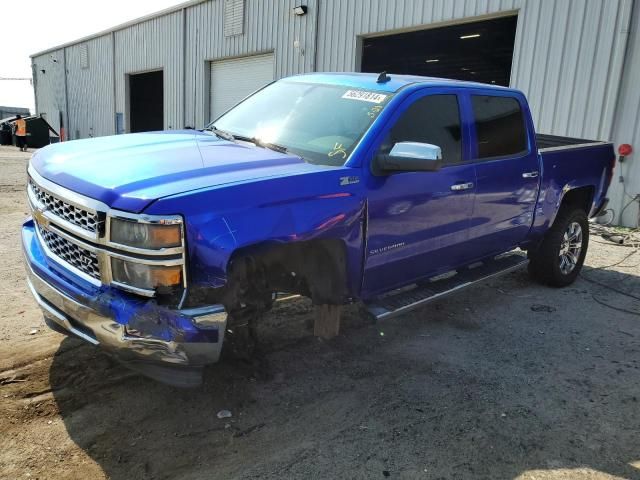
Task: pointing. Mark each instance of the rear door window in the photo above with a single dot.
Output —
(500, 126)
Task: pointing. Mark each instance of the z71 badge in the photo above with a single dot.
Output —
(349, 180)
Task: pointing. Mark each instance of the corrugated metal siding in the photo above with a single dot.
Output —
(558, 45)
(341, 22)
(90, 88)
(568, 60)
(627, 129)
(152, 45)
(49, 86)
(269, 26)
(565, 55)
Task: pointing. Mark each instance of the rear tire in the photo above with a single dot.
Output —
(558, 260)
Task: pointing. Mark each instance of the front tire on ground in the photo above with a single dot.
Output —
(558, 260)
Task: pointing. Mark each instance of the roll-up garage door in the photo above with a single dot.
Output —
(234, 79)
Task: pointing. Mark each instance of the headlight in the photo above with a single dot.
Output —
(158, 266)
(154, 236)
(147, 277)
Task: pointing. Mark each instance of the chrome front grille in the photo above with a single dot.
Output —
(74, 255)
(84, 219)
(74, 230)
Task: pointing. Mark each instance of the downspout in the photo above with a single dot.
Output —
(616, 70)
(196, 87)
(184, 68)
(113, 81)
(315, 42)
(66, 95)
(614, 105)
(34, 76)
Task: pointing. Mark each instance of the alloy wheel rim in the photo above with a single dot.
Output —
(570, 248)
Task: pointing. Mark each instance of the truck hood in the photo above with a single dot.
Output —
(128, 172)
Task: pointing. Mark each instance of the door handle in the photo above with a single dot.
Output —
(529, 174)
(462, 186)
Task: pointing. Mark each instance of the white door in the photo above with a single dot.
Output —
(234, 79)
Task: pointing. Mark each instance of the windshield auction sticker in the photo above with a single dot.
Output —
(364, 96)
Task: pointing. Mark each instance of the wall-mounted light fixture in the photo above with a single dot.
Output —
(624, 150)
(300, 10)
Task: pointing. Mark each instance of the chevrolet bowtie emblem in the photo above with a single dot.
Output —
(40, 218)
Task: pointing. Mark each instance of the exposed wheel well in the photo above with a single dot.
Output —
(579, 197)
(314, 268)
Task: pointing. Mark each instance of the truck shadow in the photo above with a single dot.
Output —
(553, 389)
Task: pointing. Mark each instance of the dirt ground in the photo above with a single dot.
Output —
(507, 380)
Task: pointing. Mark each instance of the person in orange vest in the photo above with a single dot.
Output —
(21, 133)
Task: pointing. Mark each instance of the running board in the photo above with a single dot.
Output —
(406, 299)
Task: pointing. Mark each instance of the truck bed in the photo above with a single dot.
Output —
(555, 142)
(573, 163)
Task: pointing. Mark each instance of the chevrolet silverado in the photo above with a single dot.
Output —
(388, 190)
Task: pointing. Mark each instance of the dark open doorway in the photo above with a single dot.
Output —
(146, 102)
(479, 51)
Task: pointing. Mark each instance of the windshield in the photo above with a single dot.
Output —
(320, 123)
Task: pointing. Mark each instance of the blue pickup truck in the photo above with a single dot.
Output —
(389, 190)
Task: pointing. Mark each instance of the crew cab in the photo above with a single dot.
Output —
(390, 190)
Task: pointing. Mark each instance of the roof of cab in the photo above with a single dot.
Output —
(369, 81)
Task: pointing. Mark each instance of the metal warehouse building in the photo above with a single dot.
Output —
(578, 61)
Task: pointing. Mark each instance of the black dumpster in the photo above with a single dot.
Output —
(39, 132)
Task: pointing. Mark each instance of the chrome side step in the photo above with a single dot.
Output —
(404, 300)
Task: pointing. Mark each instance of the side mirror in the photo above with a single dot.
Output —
(410, 157)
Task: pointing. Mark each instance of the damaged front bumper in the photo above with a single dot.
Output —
(169, 345)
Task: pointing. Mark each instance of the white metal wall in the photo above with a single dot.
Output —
(152, 45)
(342, 22)
(567, 56)
(568, 61)
(269, 26)
(48, 71)
(626, 129)
(90, 88)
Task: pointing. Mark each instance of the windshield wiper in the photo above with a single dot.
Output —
(269, 145)
(221, 133)
(256, 141)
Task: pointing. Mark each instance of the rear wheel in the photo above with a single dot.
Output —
(558, 260)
